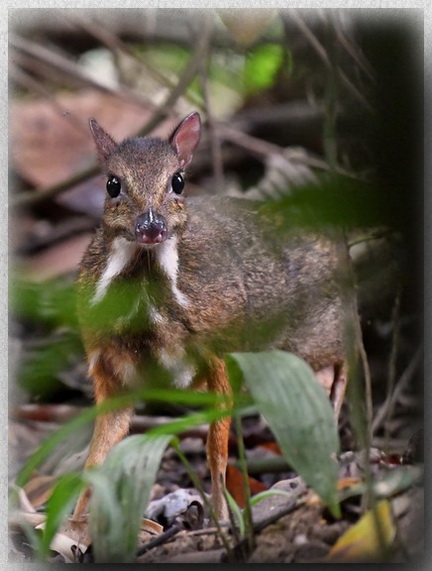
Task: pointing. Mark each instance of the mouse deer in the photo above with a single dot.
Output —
(181, 281)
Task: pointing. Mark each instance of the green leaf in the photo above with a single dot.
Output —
(299, 413)
(39, 373)
(120, 493)
(233, 506)
(51, 302)
(261, 67)
(59, 506)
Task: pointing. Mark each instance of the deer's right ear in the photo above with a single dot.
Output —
(104, 143)
(186, 137)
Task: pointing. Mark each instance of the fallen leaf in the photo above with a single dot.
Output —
(273, 447)
(344, 483)
(234, 484)
(39, 489)
(18, 519)
(64, 544)
(151, 526)
(361, 543)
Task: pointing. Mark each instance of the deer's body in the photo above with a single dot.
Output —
(182, 283)
(221, 286)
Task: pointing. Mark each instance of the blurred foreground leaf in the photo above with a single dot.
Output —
(192, 398)
(121, 491)
(298, 412)
(58, 507)
(261, 67)
(52, 302)
(52, 341)
(333, 200)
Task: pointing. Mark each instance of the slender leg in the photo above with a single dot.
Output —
(337, 394)
(110, 428)
(217, 441)
(334, 381)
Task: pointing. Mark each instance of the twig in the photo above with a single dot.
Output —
(405, 378)
(331, 99)
(368, 382)
(115, 45)
(162, 538)
(186, 78)
(69, 69)
(391, 378)
(271, 465)
(310, 36)
(355, 53)
(27, 81)
(322, 53)
(361, 425)
(260, 147)
(214, 140)
(64, 413)
(30, 198)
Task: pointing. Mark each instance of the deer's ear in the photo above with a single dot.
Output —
(186, 137)
(104, 143)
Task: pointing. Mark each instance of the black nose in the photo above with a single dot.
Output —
(150, 228)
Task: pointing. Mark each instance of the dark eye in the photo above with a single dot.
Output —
(113, 186)
(177, 183)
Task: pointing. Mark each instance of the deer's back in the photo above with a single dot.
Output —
(261, 286)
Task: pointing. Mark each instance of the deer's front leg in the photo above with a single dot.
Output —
(108, 379)
(217, 441)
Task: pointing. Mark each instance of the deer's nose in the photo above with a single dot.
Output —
(150, 228)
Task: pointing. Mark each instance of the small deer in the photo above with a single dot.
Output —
(179, 282)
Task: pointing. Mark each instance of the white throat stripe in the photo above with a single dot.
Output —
(122, 253)
(167, 258)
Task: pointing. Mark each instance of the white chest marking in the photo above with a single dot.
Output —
(182, 371)
(155, 316)
(167, 258)
(122, 253)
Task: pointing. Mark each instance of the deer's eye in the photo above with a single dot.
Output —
(113, 186)
(177, 183)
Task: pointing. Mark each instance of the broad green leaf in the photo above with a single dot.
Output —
(299, 413)
(120, 493)
(59, 506)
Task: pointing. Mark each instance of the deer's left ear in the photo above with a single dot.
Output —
(186, 137)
